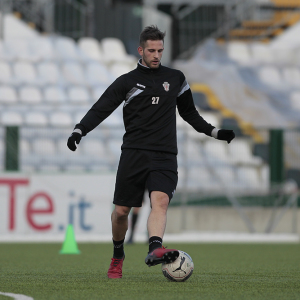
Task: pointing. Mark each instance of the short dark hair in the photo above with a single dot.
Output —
(151, 33)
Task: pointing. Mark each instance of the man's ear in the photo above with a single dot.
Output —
(140, 50)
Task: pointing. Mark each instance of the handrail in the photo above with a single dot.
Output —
(243, 10)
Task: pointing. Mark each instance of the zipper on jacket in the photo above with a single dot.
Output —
(151, 71)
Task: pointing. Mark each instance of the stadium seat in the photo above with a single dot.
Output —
(201, 179)
(66, 49)
(114, 120)
(249, 178)
(114, 50)
(55, 95)
(295, 100)
(239, 52)
(181, 178)
(271, 76)
(43, 146)
(291, 76)
(97, 74)
(78, 115)
(44, 155)
(21, 50)
(94, 147)
(227, 179)
(265, 177)
(73, 73)
(11, 118)
(5, 55)
(30, 95)
(60, 119)
(194, 152)
(8, 95)
(6, 75)
(15, 28)
(91, 48)
(262, 53)
(283, 56)
(192, 133)
(62, 148)
(216, 152)
(25, 73)
(68, 158)
(49, 73)
(180, 123)
(211, 118)
(67, 155)
(43, 48)
(35, 118)
(114, 151)
(119, 68)
(25, 147)
(78, 94)
(241, 153)
(97, 92)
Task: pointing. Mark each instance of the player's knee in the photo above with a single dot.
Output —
(159, 201)
(121, 212)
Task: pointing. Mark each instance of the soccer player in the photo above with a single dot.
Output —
(151, 93)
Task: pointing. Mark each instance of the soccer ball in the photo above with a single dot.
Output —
(179, 270)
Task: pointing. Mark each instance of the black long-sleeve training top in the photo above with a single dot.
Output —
(150, 97)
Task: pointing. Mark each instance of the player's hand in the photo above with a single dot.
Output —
(74, 139)
(226, 135)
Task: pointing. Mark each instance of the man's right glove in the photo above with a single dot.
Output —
(74, 139)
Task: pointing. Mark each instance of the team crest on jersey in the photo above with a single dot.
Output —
(166, 86)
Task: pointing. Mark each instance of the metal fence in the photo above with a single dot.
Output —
(204, 163)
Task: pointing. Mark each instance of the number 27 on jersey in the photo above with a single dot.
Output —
(155, 100)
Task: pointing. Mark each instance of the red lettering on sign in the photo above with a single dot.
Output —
(12, 183)
(31, 211)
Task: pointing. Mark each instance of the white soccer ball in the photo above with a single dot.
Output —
(179, 270)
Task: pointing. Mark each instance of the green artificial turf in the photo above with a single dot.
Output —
(222, 271)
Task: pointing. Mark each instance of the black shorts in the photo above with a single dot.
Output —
(141, 169)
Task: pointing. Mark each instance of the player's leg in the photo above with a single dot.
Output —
(157, 219)
(129, 190)
(161, 184)
(119, 220)
(134, 218)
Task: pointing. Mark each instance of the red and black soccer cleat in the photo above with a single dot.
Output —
(115, 268)
(160, 256)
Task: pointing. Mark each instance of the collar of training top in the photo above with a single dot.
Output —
(146, 69)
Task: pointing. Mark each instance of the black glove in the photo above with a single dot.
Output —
(74, 137)
(226, 135)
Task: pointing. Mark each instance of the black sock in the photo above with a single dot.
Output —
(133, 223)
(118, 249)
(154, 243)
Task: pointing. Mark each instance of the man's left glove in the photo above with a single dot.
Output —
(74, 139)
(226, 135)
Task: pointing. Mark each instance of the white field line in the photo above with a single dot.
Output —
(17, 296)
